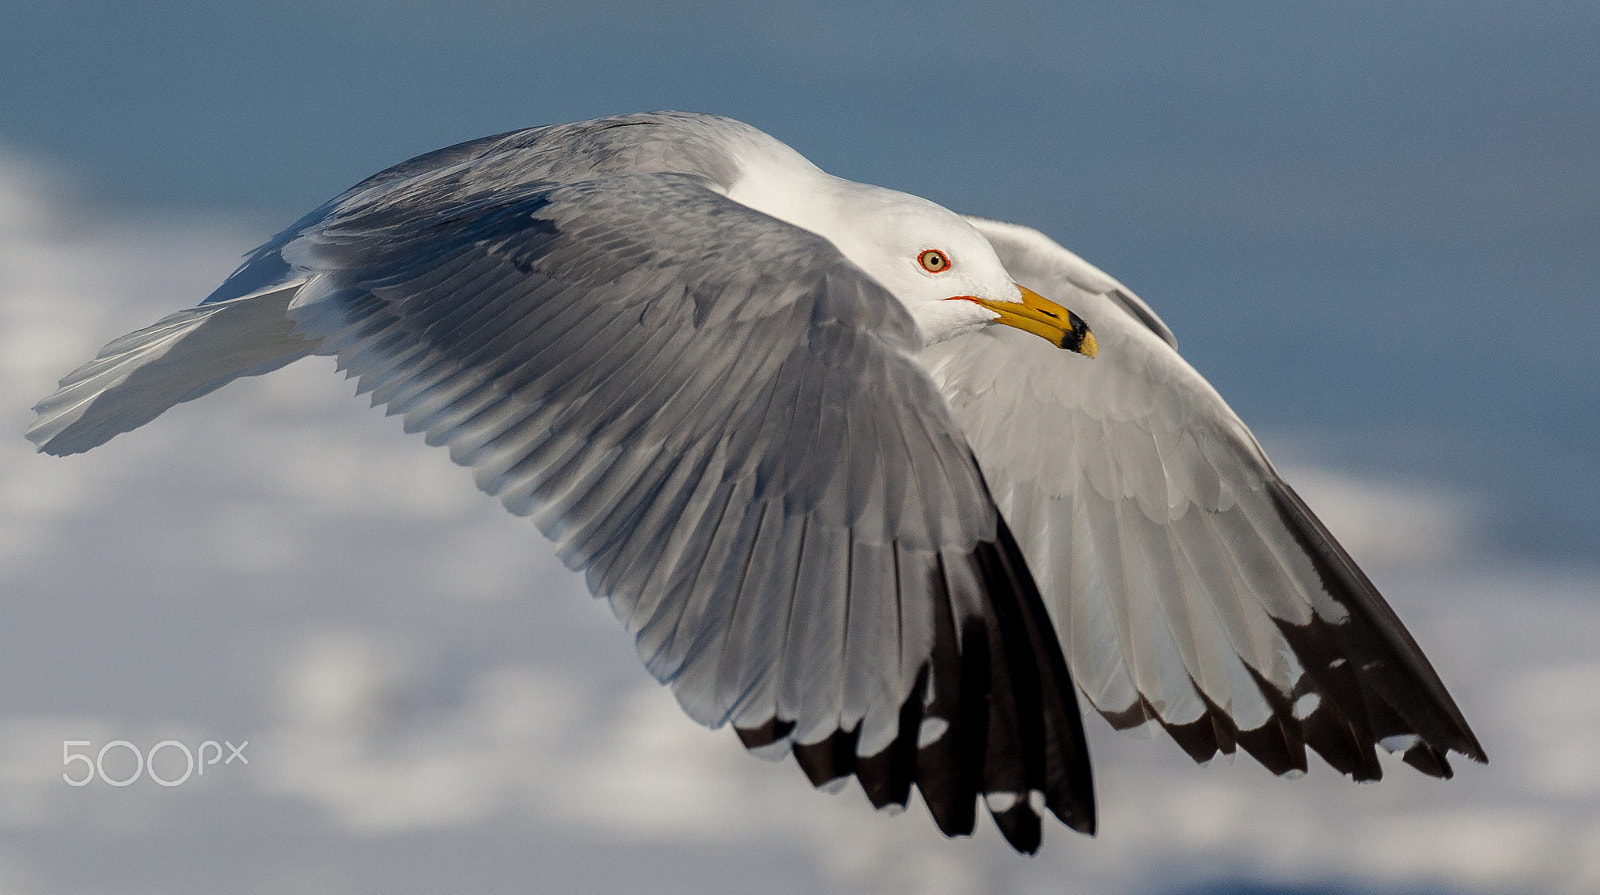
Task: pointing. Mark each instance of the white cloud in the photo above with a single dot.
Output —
(1387, 523)
(1556, 709)
(341, 745)
(530, 743)
(31, 785)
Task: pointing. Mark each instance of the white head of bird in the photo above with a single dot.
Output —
(937, 265)
(943, 270)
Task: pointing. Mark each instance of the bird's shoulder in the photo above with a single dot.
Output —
(694, 144)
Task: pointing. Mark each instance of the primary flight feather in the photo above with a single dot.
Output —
(843, 462)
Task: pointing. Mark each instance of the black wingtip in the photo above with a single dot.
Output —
(765, 734)
(1037, 669)
(829, 759)
(1428, 760)
(1397, 684)
(1019, 824)
(993, 713)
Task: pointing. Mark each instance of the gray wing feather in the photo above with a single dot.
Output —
(179, 358)
(1192, 588)
(720, 420)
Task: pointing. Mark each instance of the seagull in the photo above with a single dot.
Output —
(841, 460)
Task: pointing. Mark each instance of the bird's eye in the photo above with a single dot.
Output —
(934, 261)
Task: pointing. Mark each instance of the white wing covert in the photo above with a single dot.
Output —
(1191, 587)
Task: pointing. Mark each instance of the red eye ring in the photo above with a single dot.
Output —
(934, 261)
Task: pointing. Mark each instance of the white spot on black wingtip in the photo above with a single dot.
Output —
(931, 730)
(777, 750)
(1001, 802)
(1305, 705)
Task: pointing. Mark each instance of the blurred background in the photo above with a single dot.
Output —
(1373, 226)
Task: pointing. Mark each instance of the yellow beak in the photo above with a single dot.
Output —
(1045, 319)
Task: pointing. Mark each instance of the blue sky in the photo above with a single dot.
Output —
(1371, 225)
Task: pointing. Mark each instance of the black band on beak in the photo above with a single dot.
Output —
(1078, 338)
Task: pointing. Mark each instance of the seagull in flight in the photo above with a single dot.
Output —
(843, 462)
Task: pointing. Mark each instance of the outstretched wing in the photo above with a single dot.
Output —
(1190, 585)
(720, 420)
